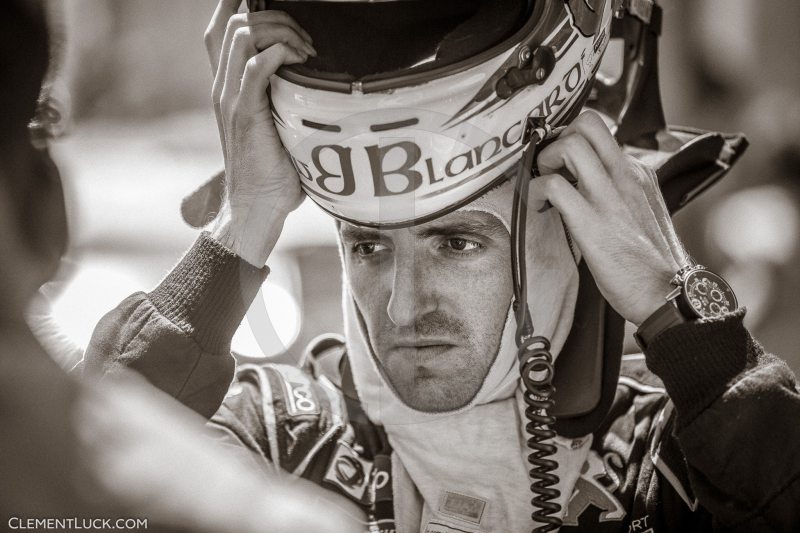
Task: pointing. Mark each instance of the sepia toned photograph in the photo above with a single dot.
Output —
(412, 266)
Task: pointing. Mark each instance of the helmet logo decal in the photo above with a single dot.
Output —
(319, 126)
(562, 92)
(275, 115)
(394, 125)
(486, 100)
(586, 15)
(400, 167)
(399, 156)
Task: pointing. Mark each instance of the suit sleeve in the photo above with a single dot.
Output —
(737, 411)
(178, 336)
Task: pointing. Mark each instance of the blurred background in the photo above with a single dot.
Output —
(142, 135)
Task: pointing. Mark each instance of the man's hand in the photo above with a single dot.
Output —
(616, 216)
(262, 186)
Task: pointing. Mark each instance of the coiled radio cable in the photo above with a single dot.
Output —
(533, 352)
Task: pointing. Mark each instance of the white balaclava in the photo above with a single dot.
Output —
(467, 469)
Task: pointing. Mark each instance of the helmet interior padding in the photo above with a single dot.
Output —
(357, 40)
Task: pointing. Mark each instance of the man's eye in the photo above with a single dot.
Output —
(368, 248)
(463, 245)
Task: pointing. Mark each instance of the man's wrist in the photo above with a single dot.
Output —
(208, 292)
(662, 319)
(650, 298)
(696, 360)
(251, 234)
(697, 294)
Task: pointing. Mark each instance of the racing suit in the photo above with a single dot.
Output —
(699, 436)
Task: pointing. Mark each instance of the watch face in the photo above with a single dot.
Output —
(708, 294)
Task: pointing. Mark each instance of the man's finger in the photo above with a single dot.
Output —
(234, 24)
(241, 50)
(266, 34)
(263, 34)
(575, 154)
(281, 17)
(216, 30)
(259, 68)
(574, 208)
(246, 46)
(591, 127)
(219, 39)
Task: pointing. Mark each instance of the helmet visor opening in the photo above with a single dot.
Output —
(366, 41)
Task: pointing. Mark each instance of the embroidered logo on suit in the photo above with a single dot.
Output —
(590, 491)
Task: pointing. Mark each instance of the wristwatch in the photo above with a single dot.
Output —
(698, 293)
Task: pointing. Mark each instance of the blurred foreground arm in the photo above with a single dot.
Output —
(178, 336)
(153, 456)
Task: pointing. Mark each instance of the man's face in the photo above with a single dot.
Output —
(434, 299)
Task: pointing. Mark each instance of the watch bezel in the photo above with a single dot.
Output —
(684, 300)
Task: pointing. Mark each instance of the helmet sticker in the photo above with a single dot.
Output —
(405, 154)
(559, 40)
(400, 167)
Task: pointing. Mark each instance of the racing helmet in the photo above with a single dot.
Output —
(414, 108)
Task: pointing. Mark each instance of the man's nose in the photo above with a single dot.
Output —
(412, 293)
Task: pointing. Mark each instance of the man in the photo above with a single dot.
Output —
(423, 422)
(77, 455)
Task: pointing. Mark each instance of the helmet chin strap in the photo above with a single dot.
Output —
(535, 360)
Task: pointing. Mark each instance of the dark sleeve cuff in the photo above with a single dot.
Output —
(208, 293)
(698, 360)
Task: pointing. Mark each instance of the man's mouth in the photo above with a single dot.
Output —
(422, 343)
(430, 344)
(423, 353)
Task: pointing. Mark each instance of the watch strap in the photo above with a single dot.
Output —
(661, 320)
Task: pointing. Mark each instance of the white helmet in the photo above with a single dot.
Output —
(430, 114)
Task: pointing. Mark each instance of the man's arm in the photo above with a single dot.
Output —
(736, 410)
(737, 406)
(178, 336)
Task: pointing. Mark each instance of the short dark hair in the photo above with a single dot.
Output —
(24, 58)
(28, 177)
